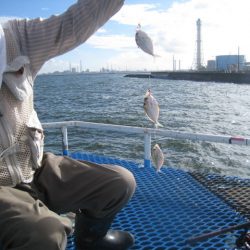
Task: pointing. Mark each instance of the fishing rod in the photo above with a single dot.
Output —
(206, 236)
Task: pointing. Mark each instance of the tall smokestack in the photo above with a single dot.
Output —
(198, 53)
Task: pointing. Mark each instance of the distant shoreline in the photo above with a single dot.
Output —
(91, 72)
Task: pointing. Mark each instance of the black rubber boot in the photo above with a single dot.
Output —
(94, 234)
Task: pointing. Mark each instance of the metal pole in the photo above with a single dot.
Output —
(65, 145)
(147, 149)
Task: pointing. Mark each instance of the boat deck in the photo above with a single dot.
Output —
(170, 207)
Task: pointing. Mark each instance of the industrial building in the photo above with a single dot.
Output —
(227, 63)
(230, 63)
(211, 65)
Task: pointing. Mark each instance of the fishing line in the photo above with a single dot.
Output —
(161, 139)
(144, 42)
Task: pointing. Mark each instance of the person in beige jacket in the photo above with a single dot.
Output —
(35, 187)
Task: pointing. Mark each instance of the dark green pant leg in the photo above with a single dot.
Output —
(27, 224)
(70, 185)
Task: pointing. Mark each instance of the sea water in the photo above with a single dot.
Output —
(186, 106)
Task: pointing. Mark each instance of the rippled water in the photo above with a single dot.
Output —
(200, 107)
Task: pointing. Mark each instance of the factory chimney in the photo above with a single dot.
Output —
(198, 46)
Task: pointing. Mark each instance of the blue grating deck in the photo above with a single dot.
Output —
(170, 207)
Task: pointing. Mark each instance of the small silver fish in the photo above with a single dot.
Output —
(144, 42)
(151, 108)
(157, 157)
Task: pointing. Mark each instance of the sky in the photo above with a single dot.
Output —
(171, 24)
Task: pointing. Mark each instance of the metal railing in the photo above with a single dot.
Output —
(147, 132)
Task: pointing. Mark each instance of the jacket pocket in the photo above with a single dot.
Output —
(35, 139)
(18, 79)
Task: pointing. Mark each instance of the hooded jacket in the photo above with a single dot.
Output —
(29, 44)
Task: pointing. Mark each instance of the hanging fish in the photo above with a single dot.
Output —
(157, 157)
(151, 108)
(144, 42)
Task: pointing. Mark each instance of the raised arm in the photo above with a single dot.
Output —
(42, 39)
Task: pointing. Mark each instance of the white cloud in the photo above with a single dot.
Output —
(44, 8)
(101, 30)
(55, 64)
(136, 13)
(115, 42)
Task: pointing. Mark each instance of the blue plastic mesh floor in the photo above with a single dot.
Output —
(170, 207)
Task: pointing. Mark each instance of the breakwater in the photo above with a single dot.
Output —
(203, 76)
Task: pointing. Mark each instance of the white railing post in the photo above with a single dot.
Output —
(65, 145)
(147, 149)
